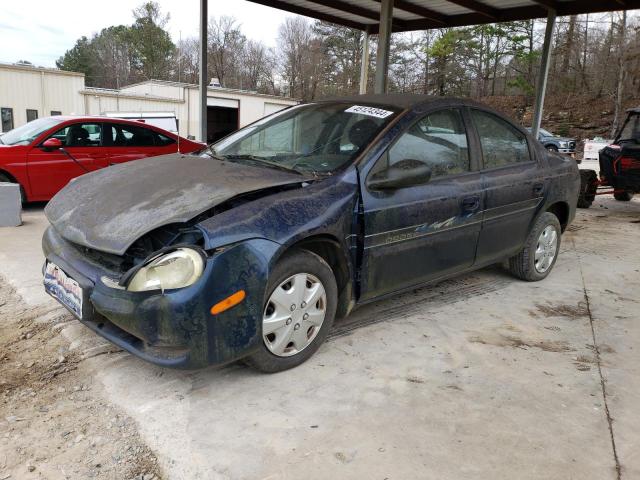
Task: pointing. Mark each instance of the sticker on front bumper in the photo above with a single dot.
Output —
(63, 288)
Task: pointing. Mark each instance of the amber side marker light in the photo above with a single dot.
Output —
(227, 303)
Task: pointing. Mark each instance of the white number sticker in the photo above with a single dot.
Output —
(370, 111)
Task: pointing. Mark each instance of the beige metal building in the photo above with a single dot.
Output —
(28, 92)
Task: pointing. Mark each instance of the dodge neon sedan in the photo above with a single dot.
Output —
(46, 154)
(251, 248)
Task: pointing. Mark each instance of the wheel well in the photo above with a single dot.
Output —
(560, 210)
(9, 176)
(332, 252)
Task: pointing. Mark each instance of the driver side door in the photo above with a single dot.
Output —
(419, 233)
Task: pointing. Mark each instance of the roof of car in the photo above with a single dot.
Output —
(404, 100)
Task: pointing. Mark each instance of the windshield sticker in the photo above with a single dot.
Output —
(370, 111)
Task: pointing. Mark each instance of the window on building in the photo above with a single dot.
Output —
(439, 140)
(55, 113)
(32, 115)
(6, 115)
(501, 143)
(80, 135)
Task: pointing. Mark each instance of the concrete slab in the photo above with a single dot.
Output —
(480, 377)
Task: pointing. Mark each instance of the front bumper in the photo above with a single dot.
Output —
(175, 328)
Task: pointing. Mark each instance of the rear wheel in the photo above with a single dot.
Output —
(623, 196)
(588, 188)
(298, 314)
(537, 258)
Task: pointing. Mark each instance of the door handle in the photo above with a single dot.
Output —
(471, 204)
(538, 188)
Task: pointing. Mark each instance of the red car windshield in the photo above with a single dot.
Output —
(26, 134)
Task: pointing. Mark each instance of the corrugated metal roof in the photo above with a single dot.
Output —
(426, 14)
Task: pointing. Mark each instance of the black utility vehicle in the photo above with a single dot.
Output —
(619, 166)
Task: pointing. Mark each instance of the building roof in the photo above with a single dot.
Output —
(234, 91)
(33, 68)
(427, 14)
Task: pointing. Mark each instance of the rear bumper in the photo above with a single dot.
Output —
(175, 329)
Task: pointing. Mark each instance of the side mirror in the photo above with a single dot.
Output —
(51, 144)
(405, 173)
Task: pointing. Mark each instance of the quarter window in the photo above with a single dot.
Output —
(131, 136)
(6, 115)
(439, 139)
(80, 135)
(502, 144)
(31, 115)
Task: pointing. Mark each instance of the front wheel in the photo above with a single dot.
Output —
(552, 148)
(625, 196)
(298, 313)
(540, 251)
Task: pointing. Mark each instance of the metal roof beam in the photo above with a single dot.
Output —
(348, 8)
(549, 4)
(424, 12)
(481, 8)
(308, 12)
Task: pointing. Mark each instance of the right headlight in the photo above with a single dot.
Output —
(178, 268)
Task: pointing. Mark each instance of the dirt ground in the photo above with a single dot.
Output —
(482, 376)
(54, 423)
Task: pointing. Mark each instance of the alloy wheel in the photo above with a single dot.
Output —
(546, 249)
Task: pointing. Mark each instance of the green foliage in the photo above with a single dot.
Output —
(123, 54)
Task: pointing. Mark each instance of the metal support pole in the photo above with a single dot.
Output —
(544, 73)
(203, 69)
(364, 63)
(384, 39)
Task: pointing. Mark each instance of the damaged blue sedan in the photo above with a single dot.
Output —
(252, 247)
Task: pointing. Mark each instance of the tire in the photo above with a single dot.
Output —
(551, 148)
(623, 196)
(524, 265)
(588, 188)
(5, 179)
(297, 265)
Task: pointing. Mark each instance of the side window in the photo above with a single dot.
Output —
(438, 139)
(131, 136)
(502, 144)
(6, 115)
(31, 115)
(80, 135)
(162, 140)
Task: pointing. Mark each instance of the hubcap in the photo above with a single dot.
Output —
(546, 249)
(294, 314)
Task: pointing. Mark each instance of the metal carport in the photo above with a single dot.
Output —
(383, 17)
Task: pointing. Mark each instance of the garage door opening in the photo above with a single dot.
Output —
(221, 121)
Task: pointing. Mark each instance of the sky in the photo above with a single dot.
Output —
(41, 31)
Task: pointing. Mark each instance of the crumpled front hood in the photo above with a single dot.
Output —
(109, 209)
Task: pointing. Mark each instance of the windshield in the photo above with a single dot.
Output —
(630, 130)
(545, 133)
(26, 134)
(318, 138)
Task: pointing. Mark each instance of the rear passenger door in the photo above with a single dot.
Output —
(513, 183)
(131, 142)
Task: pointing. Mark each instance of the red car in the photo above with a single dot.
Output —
(45, 154)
